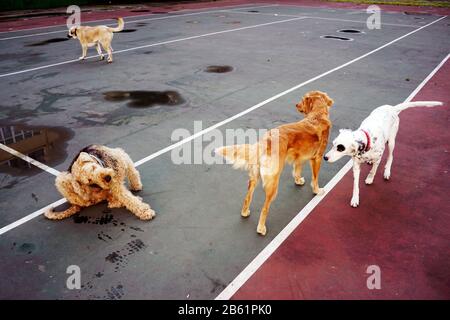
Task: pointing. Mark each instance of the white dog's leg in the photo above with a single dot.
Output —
(99, 51)
(373, 171)
(356, 170)
(391, 146)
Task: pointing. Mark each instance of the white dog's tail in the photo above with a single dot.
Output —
(119, 27)
(240, 155)
(402, 106)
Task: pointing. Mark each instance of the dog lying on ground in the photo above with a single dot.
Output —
(368, 142)
(100, 36)
(293, 143)
(96, 174)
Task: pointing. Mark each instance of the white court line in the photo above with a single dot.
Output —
(320, 18)
(29, 160)
(258, 261)
(153, 44)
(127, 17)
(181, 142)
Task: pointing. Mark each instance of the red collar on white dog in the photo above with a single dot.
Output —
(368, 140)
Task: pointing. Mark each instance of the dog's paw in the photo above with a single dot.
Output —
(387, 175)
(299, 181)
(148, 214)
(261, 230)
(319, 191)
(369, 180)
(110, 60)
(137, 187)
(51, 215)
(245, 213)
(81, 58)
(354, 202)
(102, 57)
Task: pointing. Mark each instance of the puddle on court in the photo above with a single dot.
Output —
(336, 38)
(142, 99)
(48, 41)
(44, 144)
(253, 11)
(141, 24)
(128, 30)
(140, 10)
(350, 31)
(218, 69)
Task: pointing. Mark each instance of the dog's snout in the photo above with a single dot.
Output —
(325, 158)
(107, 178)
(68, 36)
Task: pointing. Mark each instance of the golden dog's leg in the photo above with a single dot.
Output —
(315, 168)
(297, 173)
(99, 51)
(270, 188)
(252, 183)
(139, 208)
(53, 215)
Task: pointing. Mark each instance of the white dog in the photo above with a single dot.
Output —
(368, 142)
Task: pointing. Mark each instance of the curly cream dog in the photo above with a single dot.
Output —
(96, 174)
(100, 36)
(368, 142)
(293, 143)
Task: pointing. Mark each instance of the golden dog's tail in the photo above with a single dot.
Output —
(242, 156)
(120, 26)
(54, 215)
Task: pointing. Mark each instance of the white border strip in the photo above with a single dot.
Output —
(153, 45)
(29, 160)
(132, 21)
(204, 10)
(175, 145)
(258, 261)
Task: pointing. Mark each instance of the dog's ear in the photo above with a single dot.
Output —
(328, 100)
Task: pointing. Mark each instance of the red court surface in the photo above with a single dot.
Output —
(16, 21)
(402, 225)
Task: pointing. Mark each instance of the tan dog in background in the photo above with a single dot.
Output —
(293, 143)
(100, 36)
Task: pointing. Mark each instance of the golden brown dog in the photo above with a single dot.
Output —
(293, 143)
(96, 174)
(100, 36)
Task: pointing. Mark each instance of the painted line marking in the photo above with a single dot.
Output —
(135, 21)
(240, 114)
(320, 18)
(262, 257)
(32, 161)
(153, 45)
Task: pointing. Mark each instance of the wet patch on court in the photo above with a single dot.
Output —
(128, 30)
(143, 99)
(42, 143)
(120, 258)
(336, 38)
(46, 42)
(218, 69)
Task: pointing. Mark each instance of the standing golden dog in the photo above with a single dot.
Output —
(100, 36)
(293, 143)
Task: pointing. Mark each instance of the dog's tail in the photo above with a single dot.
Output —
(119, 27)
(240, 155)
(54, 215)
(402, 106)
